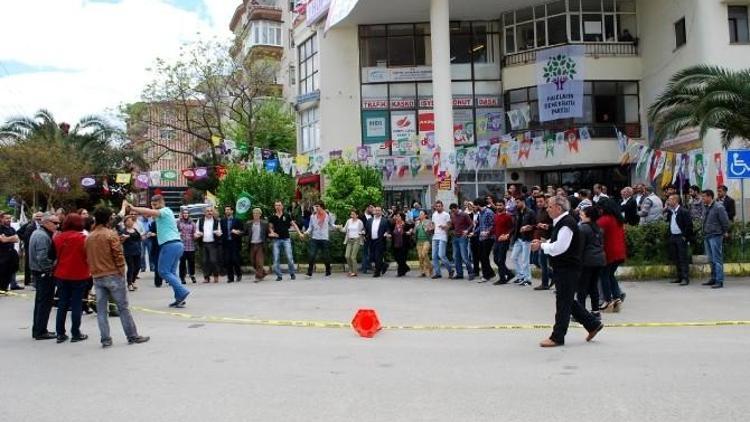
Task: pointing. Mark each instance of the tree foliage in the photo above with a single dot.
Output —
(264, 188)
(350, 185)
(706, 97)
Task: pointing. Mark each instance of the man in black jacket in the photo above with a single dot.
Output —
(232, 243)
(680, 234)
(25, 234)
(726, 201)
(629, 207)
(377, 229)
(209, 236)
(565, 251)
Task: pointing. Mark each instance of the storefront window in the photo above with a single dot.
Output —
(606, 104)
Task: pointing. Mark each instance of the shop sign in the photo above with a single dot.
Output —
(401, 74)
(375, 104)
(490, 101)
(402, 104)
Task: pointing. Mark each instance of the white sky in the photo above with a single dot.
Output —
(82, 57)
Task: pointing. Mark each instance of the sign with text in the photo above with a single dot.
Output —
(559, 76)
(375, 127)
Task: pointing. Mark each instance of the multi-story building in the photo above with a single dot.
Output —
(450, 64)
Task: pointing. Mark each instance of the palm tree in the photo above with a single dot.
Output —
(704, 97)
(93, 139)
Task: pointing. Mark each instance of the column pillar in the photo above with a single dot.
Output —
(442, 96)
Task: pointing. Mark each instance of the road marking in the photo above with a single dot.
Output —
(438, 327)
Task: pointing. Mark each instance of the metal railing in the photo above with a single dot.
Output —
(592, 49)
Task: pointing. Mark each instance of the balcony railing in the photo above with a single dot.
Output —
(596, 130)
(592, 50)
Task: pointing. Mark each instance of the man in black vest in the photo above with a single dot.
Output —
(680, 234)
(565, 250)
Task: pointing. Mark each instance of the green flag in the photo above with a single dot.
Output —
(169, 175)
(243, 206)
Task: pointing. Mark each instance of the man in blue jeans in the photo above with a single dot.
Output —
(440, 225)
(170, 245)
(462, 225)
(715, 228)
(278, 230)
(107, 265)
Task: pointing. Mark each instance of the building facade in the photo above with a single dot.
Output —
(361, 70)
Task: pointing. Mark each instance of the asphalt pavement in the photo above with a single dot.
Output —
(197, 369)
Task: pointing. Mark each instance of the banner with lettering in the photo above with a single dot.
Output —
(559, 76)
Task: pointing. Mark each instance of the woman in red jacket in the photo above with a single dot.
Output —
(611, 222)
(71, 274)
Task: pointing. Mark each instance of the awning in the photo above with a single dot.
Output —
(308, 180)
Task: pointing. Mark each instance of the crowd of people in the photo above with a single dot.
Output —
(577, 241)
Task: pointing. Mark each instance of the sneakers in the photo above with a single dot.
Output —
(514, 280)
(180, 302)
(136, 340)
(278, 278)
(79, 337)
(524, 282)
(482, 280)
(541, 287)
(106, 342)
(292, 277)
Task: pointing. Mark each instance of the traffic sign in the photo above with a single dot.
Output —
(738, 164)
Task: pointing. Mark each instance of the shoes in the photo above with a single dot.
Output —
(328, 274)
(435, 277)
(596, 315)
(515, 280)
(106, 342)
(376, 275)
(616, 305)
(239, 278)
(230, 281)
(683, 283)
(471, 277)
(193, 279)
(278, 278)
(541, 287)
(607, 306)
(717, 286)
(206, 280)
(483, 280)
(525, 283)
(17, 287)
(622, 296)
(182, 280)
(594, 332)
(709, 283)
(138, 339)
(292, 277)
(45, 336)
(451, 273)
(180, 302)
(308, 276)
(423, 275)
(132, 289)
(676, 281)
(500, 281)
(549, 343)
(80, 337)
(458, 277)
(385, 268)
(62, 338)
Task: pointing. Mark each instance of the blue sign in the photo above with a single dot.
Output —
(738, 164)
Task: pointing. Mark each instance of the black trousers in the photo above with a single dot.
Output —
(485, 249)
(8, 268)
(45, 294)
(134, 267)
(232, 261)
(499, 255)
(475, 253)
(565, 281)
(319, 246)
(187, 264)
(678, 253)
(399, 254)
(588, 286)
(377, 252)
(211, 259)
(26, 269)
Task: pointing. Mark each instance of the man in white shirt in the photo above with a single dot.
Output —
(565, 251)
(208, 233)
(440, 224)
(599, 193)
(680, 233)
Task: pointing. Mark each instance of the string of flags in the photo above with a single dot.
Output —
(673, 167)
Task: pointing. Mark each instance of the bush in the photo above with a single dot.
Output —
(351, 185)
(648, 244)
(264, 188)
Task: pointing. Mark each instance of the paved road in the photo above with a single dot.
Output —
(198, 371)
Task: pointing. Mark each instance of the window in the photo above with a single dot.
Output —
(394, 45)
(292, 75)
(738, 24)
(563, 21)
(308, 66)
(680, 33)
(606, 104)
(309, 129)
(167, 134)
(265, 33)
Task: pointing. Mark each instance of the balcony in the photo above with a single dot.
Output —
(595, 50)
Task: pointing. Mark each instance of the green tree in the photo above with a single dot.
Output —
(264, 188)
(706, 97)
(351, 185)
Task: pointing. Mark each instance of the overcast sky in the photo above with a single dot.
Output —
(81, 57)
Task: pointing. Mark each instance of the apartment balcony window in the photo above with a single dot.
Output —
(738, 25)
(265, 33)
(309, 124)
(569, 21)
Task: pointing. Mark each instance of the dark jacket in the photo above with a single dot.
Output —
(216, 226)
(227, 236)
(385, 227)
(729, 206)
(630, 212)
(263, 230)
(527, 218)
(593, 251)
(715, 220)
(684, 222)
(41, 251)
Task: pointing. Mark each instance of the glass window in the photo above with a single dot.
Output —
(592, 28)
(308, 66)
(609, 28)
(556, 7)
(525, 36)
(738, 24)
(626, 27)
(680, 33)
(541, 33)
(608, 5)
(630, 105)
(574, 5)
(373, 52)
(401, 51)
(558, 31)
(309, 129)
(510, 41)
(591, 5)
(626, 6)
(372, 31)
(525, 14)
(575, 28)
(460, 48)
(540, 12)
(403, 29)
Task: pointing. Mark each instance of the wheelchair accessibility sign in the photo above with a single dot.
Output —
(738, 164)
